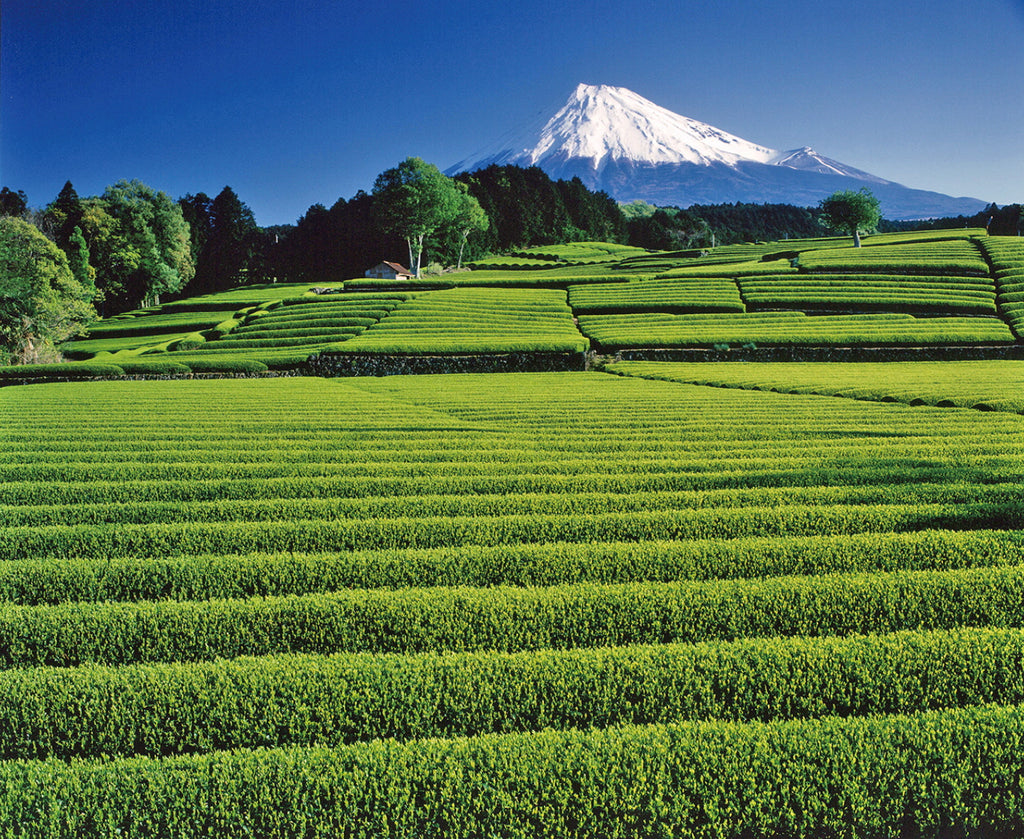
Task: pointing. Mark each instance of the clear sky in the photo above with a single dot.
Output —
(303, 102)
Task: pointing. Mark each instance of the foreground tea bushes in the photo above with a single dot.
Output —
(300, 607)
(223, 576)
(886, 776)
(561, 617)
(166, 709)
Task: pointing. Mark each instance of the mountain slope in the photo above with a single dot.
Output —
(617, 141)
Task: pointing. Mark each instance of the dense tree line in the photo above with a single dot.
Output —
(520, 207)
(525, 207)
(708, 225)
(999, 221)
(332, 244)
(229, 247)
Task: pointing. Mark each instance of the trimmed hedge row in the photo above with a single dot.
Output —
(612, 332)
(918, 775)
(700, 295)
(510, 619)
(166, 709)
(92, 541)
(40, 581)
(276, 508)
(85, 370)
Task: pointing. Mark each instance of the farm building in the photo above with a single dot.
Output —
(388, 271)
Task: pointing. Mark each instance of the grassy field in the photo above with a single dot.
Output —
(572, 604)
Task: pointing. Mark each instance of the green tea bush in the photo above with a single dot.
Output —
(83, 370)
(332, 700)
(510, 619)
(204, 577)
(882, 775)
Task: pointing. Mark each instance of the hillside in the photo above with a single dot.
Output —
(928, 289)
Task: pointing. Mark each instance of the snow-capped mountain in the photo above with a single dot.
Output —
(615, 140)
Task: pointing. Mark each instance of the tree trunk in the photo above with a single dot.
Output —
(408, 241)
(419, 253)
(462, 247)
(856, 237)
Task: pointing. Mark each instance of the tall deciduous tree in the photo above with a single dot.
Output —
(413, 200)
(468, 216)
(41, 302)
(852, 212)
(78, 261)
(139, 244)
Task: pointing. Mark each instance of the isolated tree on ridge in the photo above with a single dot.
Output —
(413, 200)
(853, 212)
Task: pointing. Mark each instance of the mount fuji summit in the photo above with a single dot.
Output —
(616, 141)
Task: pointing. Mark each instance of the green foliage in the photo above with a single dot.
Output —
(41, 302)
(647, 329)
(164, 709)
(957, 257)
(705, 225)
(674, 295)
(69, 371)
(915, 774)
(854, 212)
(414, 199)
(226, 242)
(78, 261)
(637, 209)
(523, 605)
(1006, 254)
(13, 203)
(212, 576)
(526, 207)
(865, 292)
(475, 320)
(964, 384)
(462, 619)
(139, 244)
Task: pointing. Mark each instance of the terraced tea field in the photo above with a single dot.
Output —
(948, 288)
(528, 605)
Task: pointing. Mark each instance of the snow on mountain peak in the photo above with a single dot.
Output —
(601, 123)
(617, 141)
(604, 123)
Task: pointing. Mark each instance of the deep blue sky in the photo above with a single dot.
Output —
(294, 103)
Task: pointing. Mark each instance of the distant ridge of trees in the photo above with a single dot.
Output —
(999, 221)
(138, 246)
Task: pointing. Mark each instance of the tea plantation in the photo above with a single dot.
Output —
(651, 599)
(564, 604)
(947, 288)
